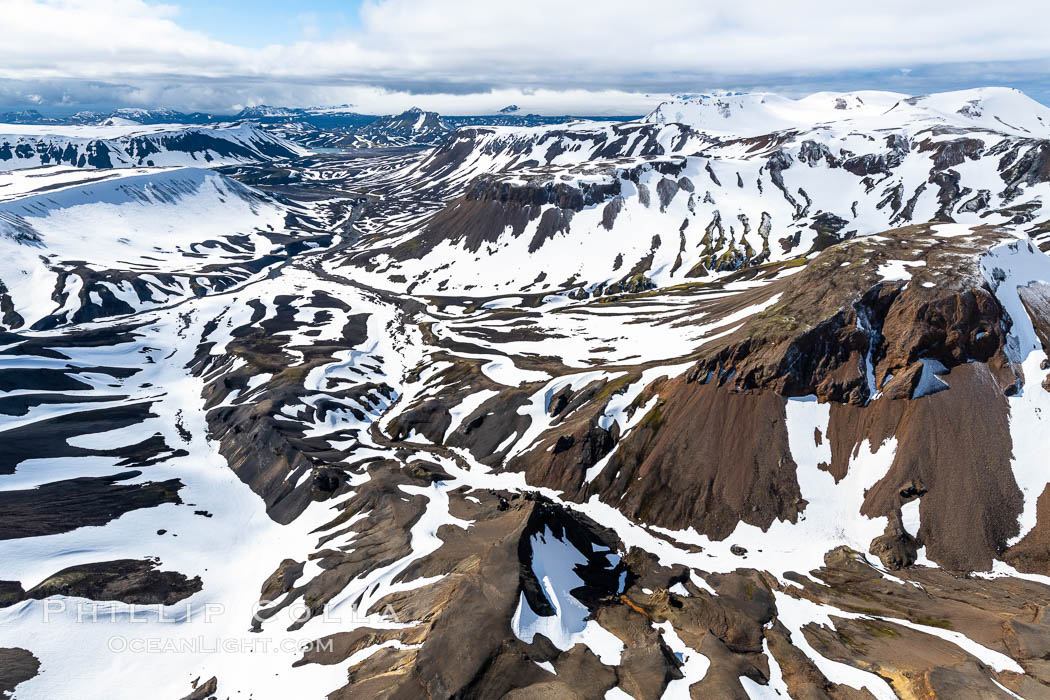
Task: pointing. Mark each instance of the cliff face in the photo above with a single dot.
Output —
(864, 316)
(492, 207)
(704, 204)
(917, 358)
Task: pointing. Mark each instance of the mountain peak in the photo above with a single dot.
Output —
(749, 114)
(263, 111)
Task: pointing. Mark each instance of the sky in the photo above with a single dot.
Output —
(587, 57)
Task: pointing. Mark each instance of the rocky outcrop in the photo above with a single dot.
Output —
(490, 207)
(16, 666)
(62, 506)
(413, 127)
(896, 549)
(203, 691)
(897, 147)
(134, 581)
(864, 344)
(836, 322)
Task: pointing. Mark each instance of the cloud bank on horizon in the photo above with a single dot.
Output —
(549, 56)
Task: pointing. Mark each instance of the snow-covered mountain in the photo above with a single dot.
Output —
(137, 115)
(125, 144)
(754, 114)
(719, 184)
(128, 242)
(745, 398)
(413, 127)
(266, 111)
(26, 116)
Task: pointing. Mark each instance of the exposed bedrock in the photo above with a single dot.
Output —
(1027, 162)
(265, 448)
(16, 666)
(136, 581)
(486, 577)
(203, 691)
(836, 322)
(673, 468)
(934, 355)
(489, 577)
(1007, 615)
(487, 574)
(490, 207)
(634, 139)
(493, 204)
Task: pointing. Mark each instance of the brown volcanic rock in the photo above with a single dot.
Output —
(487, 593)
(483, 572)
(385, 675)
(16, 666)
(647, 664)
(382, 537)
(957, 444)
(896, 549)
(281, 580)
(1032, 553)
(954, 329)
(722, 680)
(735, 616)
(574, 446)
(692, 460)
(135, 581)
(815, 339)
(203, 691)
(802, 677)
(491, 205)
(491, 592)
(1007, 615)
(467, 647)
(916, 665)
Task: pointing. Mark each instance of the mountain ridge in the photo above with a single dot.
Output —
(737, 399)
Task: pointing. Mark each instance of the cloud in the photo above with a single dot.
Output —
(474, 50)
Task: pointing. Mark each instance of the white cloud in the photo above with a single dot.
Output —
(604, 49)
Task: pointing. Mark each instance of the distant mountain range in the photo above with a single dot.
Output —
(339, 126)
(122, 146)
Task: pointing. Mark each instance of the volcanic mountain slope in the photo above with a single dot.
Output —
(343, 129)
(413, 127)
(571, 201)
(130, 240)
(128, 144)
(357, 449)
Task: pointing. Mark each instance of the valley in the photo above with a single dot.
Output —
(746, 398)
